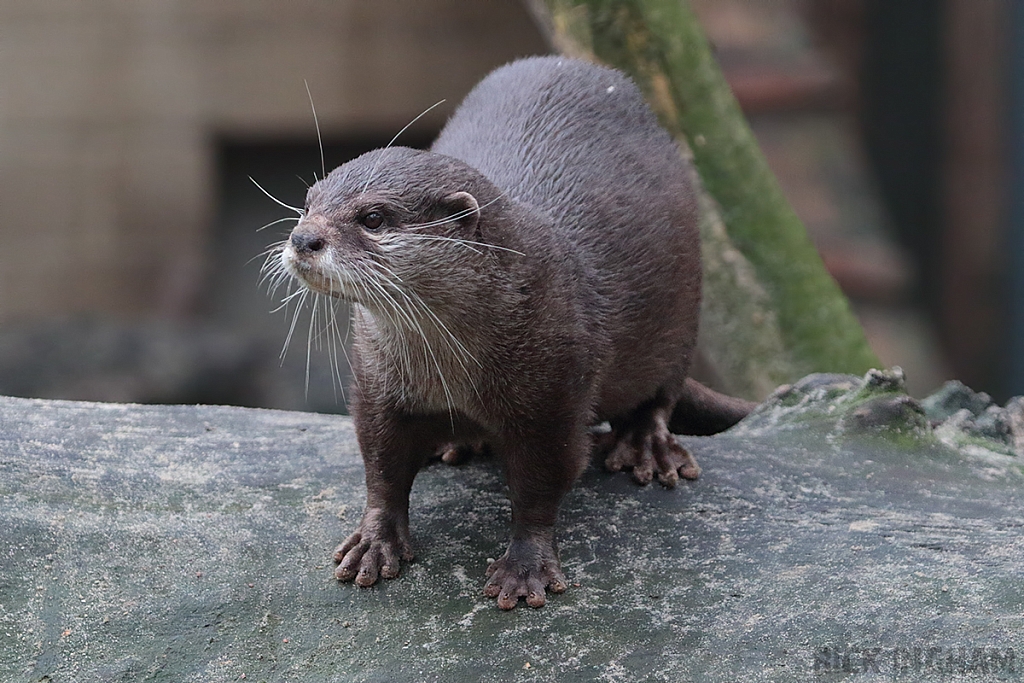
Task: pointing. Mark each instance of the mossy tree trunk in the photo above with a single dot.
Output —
(772, 313)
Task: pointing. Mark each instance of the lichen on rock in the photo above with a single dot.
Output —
(954, 415)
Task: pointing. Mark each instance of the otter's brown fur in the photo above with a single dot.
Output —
(536, 272)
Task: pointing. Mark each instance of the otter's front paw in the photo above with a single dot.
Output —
(526, 570)
(375, 549)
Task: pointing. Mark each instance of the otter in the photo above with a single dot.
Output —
(535, 273)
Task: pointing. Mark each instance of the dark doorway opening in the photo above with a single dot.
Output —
(285, 169)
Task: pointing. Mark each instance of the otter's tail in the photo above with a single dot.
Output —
(702, 411)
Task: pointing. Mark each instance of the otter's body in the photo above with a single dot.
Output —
(619, 198)
(534, 273)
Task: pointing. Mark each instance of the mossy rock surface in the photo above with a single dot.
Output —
(183, 543)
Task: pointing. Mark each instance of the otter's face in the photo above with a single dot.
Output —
(333, 251)
(366, 232)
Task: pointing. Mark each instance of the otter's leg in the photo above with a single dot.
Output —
(644, 444)
(538, 478)
(393, 452)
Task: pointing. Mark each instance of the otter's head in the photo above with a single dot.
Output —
(392, 219)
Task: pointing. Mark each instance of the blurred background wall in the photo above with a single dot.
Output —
(129, 132)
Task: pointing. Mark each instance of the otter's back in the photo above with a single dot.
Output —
(565, 136)
(578, 142)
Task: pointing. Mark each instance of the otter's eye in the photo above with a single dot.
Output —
(372, 220)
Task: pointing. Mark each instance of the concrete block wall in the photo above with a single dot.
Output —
(110, 112)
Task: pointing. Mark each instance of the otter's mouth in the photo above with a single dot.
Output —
(313, 278)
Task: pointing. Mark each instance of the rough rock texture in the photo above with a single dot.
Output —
(831, 530)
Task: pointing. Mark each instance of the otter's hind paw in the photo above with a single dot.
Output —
(646, 451)
(461, 453)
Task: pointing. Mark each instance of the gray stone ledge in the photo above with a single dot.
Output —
(192, 543)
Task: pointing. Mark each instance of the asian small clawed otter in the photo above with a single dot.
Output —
(533, 274)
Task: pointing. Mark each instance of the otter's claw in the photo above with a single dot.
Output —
(527, 570)
(374, 550)
(646, 451)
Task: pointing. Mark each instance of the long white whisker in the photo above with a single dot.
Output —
(373, 171)
(402, 349)
(417, 302)
(278, 276)
(309, 339)
(378, 295)
(279, 220)
(418, 117)
(319, 140)
(272, 271)
(282, 306)
(295, 319)
(267, 253)
(459, 351)
(335, 338)
(325, 339)
(438, 238)
(465, 243)
(454, 217)
(276, 200)
(297, 293)
(468, 244)
(429, 349)
(387, 271)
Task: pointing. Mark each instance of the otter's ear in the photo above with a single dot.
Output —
(463, 207)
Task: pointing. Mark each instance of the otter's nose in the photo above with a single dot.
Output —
(306, 244)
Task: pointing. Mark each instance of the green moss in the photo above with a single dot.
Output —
(660, 45)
